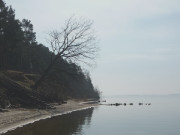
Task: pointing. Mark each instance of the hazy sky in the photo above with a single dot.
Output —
(139, 40)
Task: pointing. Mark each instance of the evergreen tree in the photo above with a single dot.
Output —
(10, 37)
(20, 51)
(29, 34)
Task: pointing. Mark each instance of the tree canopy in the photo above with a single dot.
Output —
(20, 51)
(75, 42)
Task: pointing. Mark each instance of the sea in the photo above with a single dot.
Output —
(156, 115)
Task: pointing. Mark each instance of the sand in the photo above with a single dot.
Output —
(18, 117)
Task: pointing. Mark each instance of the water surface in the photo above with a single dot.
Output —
(162, 117)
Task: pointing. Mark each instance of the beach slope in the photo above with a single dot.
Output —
(18, 117)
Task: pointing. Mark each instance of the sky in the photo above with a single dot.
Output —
(138, 39)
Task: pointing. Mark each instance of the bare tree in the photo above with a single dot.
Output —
(75, 42)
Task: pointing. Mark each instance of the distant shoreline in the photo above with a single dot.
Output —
(19, 117)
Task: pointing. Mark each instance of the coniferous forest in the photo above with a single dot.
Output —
(22, 62)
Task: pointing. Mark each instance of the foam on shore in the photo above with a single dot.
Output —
(18, 124)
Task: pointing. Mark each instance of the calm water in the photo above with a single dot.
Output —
(162, 117)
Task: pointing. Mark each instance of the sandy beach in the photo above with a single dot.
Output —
(18, 117)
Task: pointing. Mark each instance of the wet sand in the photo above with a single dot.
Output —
(18, 117)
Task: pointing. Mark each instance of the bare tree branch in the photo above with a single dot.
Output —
(76, 42)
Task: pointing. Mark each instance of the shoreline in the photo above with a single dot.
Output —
(20, 117)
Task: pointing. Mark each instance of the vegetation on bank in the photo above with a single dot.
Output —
(23, 61)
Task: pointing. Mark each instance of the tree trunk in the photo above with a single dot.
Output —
(45, 73)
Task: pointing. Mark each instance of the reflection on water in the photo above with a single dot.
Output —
(160, 118)
(61, 125)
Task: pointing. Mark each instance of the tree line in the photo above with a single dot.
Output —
(20, 51)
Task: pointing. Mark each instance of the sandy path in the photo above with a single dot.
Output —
(19, 117)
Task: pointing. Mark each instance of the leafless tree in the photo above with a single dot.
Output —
(75, 42)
